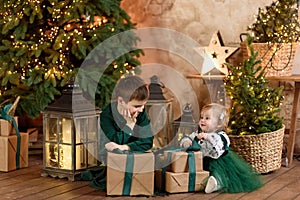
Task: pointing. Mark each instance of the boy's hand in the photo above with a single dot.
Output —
(130, 118)
(124, 111)
(110, 146)
(130, 121)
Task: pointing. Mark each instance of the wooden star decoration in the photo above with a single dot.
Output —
(215, 55)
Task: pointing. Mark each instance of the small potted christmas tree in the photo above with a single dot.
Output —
(276, 33)
(255, 128)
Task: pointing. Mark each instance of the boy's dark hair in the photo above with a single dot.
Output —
(132, 88)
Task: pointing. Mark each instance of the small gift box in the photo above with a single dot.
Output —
(7, 128)
(182, 182)
(14, 152)
(8, 123)
(179, 161)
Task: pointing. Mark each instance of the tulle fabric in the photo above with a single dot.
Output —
(233, 173)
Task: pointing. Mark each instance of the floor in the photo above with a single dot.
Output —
(27, 183)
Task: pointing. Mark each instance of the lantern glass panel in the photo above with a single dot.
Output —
(88, 156)
(66, 126)
(52, 129)
(60, 156)
(186, 130)
(181, 129)
(67, 156)
(86, 129)
(160, 113)
(51, 153)
(86, 133)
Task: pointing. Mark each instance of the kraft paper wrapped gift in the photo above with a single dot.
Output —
(7, 128)
(8, 149)
(130, 174)
(179, 182)
(179, 161)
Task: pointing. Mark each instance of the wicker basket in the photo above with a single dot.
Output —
(262, 151)
(283, 57)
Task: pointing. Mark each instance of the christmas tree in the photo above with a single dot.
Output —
(277, 23)
(44, 42)
(254, 104)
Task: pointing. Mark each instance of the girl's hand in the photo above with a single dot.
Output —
(202, 136)
(187, 143)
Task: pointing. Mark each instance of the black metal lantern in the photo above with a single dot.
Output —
(71, 135)
(184, 125)
(160, 112)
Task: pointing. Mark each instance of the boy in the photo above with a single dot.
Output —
(124, 122)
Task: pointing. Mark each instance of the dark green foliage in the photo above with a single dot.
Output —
(43, 43)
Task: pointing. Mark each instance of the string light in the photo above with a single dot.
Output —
(49, 34)
(277, 23)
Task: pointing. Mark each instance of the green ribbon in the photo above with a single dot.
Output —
(128, 174)
(4, 115)
(192, 171)
(191, 162)
(128, 169)
(164, 169)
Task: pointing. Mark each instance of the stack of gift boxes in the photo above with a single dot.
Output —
(184, 172)
(13, 146)
(139, 174)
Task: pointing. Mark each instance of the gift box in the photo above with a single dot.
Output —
(179, 161)
(7, 128)
(8, 148)
(130, 174)
(181, 182)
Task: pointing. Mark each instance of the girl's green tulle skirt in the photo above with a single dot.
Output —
(233, 173)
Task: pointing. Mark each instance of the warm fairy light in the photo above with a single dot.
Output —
(49, 34)
(55, 41)
(283, 28)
